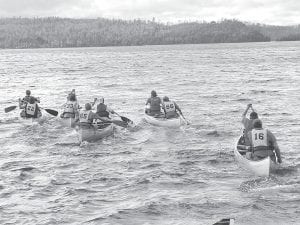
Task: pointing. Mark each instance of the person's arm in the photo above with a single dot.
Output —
(37, 99)
(20, 103)
(160, 103)
(274, 144)
(248, 141)
(148, 101)
(93, 103)
(22, 106)
(110, 109)
(245, 121)
(177, 108)
(245, 112)
(96, 116)
(164, 108)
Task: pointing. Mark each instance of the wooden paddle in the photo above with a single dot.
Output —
(10, 108)
(116, 122)
(187, 122)
(51, 111)
(120, 123)
(125, 119)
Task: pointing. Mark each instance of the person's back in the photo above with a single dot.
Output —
(26, 99)
(102, 110)
(31, 109)
(170, 108)
(85, 118)
(70, 107)
(263, 142)
(155, 104)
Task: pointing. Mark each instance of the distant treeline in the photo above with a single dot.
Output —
(60, 32)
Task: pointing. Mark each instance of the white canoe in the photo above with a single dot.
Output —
(261, 167)
(163, 122)
(93, 134)
(68, 122)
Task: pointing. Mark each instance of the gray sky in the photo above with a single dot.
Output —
(275, 12)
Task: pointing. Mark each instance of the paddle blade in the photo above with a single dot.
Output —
(225, 222)
(10, 108)
(120, 123)
(125, 119)
(52, 112)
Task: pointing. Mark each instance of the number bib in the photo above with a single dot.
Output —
(84, 116)
(30, 109)
(169, 106)
(69, 107)
(259, 137)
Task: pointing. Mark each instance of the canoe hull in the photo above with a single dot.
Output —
(163, 122)
(260, 168)
(68, 122)
(94, 134)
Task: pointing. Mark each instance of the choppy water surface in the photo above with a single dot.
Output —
(150, 175)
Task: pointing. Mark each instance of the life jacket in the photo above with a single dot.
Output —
(155, 104)
(31, 110)
(84, 117)
(26, 98)
(70, 107)
(102, 110)
(170, 109)
(260, 146)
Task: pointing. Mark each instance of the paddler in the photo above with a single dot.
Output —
(102, 109)
(71, 106)
(153, 105)
(86, 116)
(22, 102)
(30, 108)
(263, 143)
(170, 108)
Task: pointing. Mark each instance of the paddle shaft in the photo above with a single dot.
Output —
(184, 118)
(125, 119)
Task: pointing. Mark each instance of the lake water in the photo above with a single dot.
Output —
(150, 175)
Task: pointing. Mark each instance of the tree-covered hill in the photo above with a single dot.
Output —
(61, 32)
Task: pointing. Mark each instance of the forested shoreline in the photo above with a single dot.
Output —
(56, 32)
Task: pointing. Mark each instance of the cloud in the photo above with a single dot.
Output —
(267, 11)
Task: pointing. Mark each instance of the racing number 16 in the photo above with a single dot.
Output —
(259, 136)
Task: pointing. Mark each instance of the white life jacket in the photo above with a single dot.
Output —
(30, 109)
(259, 138)
(169, 106)
(84, 116)
(70, 107)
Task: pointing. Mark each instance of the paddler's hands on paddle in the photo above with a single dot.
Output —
(250, 106)
(13, 107)
(246, 110)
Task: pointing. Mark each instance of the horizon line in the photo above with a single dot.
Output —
(154, 19)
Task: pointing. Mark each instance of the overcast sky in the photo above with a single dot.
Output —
(275, 12)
